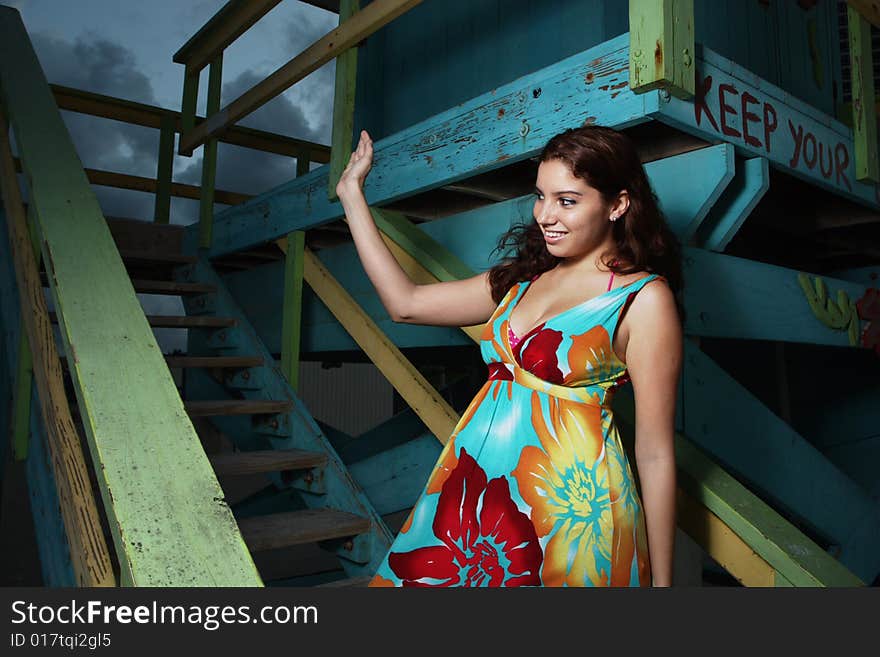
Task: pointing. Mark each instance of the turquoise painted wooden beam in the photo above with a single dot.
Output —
(730, 297)
(749, 440)
(52, 543)
(867, 276)
(304, 432)
(689, 185)
(394, 479)
(735, 105)
(502, 126)
(749, 186)
(151, 467)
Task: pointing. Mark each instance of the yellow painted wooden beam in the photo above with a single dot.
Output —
(364, 23)
(722, 543)
(89, 553)
(434, 411)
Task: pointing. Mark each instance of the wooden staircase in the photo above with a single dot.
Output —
(231, 379)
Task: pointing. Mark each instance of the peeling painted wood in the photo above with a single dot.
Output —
(466, 140)
(760, 119)
(864, 109)
(662, 46)
(166, 512)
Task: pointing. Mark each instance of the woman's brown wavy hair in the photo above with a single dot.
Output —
(608, 161)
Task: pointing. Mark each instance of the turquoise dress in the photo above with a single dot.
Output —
(533, 487)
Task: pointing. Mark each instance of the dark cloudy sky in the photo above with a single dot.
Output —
(123, 48)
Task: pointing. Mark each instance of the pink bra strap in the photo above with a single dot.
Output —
(611, 280)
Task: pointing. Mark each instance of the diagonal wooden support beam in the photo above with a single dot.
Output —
(364, 23)
(434, 411)
(90, 555)
(165, 508)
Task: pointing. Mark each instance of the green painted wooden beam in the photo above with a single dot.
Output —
(188, 105)
(798, 559)
(292, 308)
(209, 158)
(166, 511)
(864, 110)
(164, 170)
(343, 103)
(432, 255)
(662, 56)
(291, 322)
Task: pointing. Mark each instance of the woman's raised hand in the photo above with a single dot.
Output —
(354, 174)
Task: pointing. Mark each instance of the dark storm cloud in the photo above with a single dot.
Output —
(105, 67)
(253, 172)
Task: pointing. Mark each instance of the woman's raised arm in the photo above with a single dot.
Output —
(453, 303)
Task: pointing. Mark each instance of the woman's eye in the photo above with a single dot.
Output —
(566, 202)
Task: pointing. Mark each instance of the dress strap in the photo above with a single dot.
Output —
(611, 280)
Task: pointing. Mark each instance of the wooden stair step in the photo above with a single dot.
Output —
(279, 530)
(141, 257)
(190, 321)
(236, 407)
(232, 362)
(269, 460)
(179, 321)
(349, 582)
(175, 288)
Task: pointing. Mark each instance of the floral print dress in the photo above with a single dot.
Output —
(533, 487)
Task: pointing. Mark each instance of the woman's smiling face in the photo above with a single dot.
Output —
(572, 215)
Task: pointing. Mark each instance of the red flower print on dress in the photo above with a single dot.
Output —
(495, 546)
(537, 354)
(868, 308)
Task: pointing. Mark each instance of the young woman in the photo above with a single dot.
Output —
(534, 488)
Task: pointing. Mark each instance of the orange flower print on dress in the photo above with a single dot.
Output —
(566, 485)
(590, 358)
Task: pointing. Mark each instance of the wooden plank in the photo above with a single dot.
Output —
(343, 103)
(188, 105)
(86, 102)
(751, 182)
(164, 171)
(178, 321)
(480, 135)
(150, 185)
(170, 287)
(21, 396)
(89, 552)
(224, 27)
(364, 23)
(863, 100)
(297, 527)
(232, 362)
(439, 417)
(737, 430)
(274, 460)
(662, 53)
(726, 547)
(112, 350)
(235, 407)
(732, 104)
(869, 10)
(139, 257)
(690, 184)
(209, 157)
(291, 321)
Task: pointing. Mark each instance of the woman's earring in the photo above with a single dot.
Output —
(613, 217)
